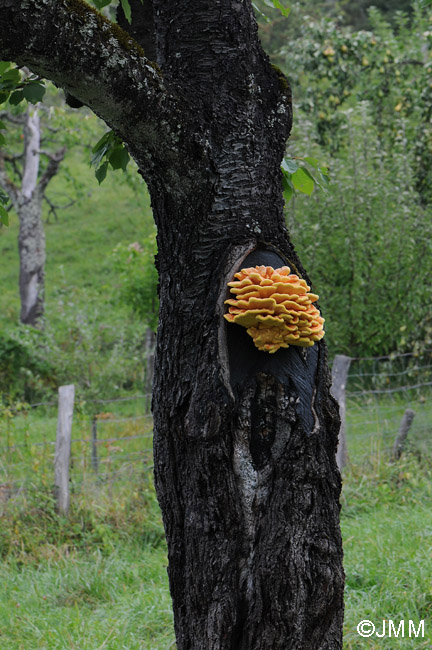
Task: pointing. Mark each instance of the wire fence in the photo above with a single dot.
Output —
(112, 438)
(378, 392)
(111, 443)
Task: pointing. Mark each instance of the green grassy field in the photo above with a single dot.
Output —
(98, 580)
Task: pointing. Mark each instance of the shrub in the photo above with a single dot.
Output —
(25, 368)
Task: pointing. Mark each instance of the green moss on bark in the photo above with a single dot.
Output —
(283, 81)
(107, 28)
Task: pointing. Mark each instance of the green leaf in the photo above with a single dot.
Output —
(119, 158)
(16, 97)
(100, 4)
(34, 92)
(2, 139)
(11, 75)
(127, 10)
(101, 147)
(258, 10)
(288, 193)
(4, 216)
(276, 4)
(4, 97)
(101, 172)
(303, 181)
(2, 125)
(4, 66)
(313, 162)
(289, 165)
(287, 186)
(324, 179)
(285, 11)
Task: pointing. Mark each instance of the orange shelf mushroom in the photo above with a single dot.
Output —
(276, 308)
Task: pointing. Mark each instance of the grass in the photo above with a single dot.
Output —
(124, 441)
(95, 580)
(387, 532)
(120, 601)
(99, 580)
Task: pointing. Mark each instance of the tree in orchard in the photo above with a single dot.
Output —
(25, 180)
(244, 440)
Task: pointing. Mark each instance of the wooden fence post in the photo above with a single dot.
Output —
(66, 395)
(340, 368)
(94, 453)
(399, 443)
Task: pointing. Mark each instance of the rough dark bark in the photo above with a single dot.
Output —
(244, 441)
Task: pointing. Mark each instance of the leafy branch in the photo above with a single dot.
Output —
(17, 85)
(109, 151)
(296, 176)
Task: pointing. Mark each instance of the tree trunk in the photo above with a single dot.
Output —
(244, 460)
(31, 240)
(244, 441)
(31, 246)
(27, 201)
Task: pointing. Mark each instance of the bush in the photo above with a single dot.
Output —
(138, 279)
(25, 369)
(364, 109)
(31, 524)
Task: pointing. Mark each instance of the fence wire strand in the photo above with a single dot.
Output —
(378, 392)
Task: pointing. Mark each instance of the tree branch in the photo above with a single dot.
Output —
(52, 169)
(53, 207)
(101, 65)
(15, 119)
(142, 27)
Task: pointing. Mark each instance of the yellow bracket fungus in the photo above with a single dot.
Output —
(276, 308)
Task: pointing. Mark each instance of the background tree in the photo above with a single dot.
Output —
(363, 101)
(244, 441)
(25, 181)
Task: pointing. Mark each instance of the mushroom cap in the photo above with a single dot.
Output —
(276, 307)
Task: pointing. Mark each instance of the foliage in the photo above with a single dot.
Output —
(26, 370)
(31, 524)
(109, 150)
(17, 85)
(364, 107)
(101, 4)
(357, 13)
(302, 174)
(135, 266)
(332, 68)
(94, 347)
